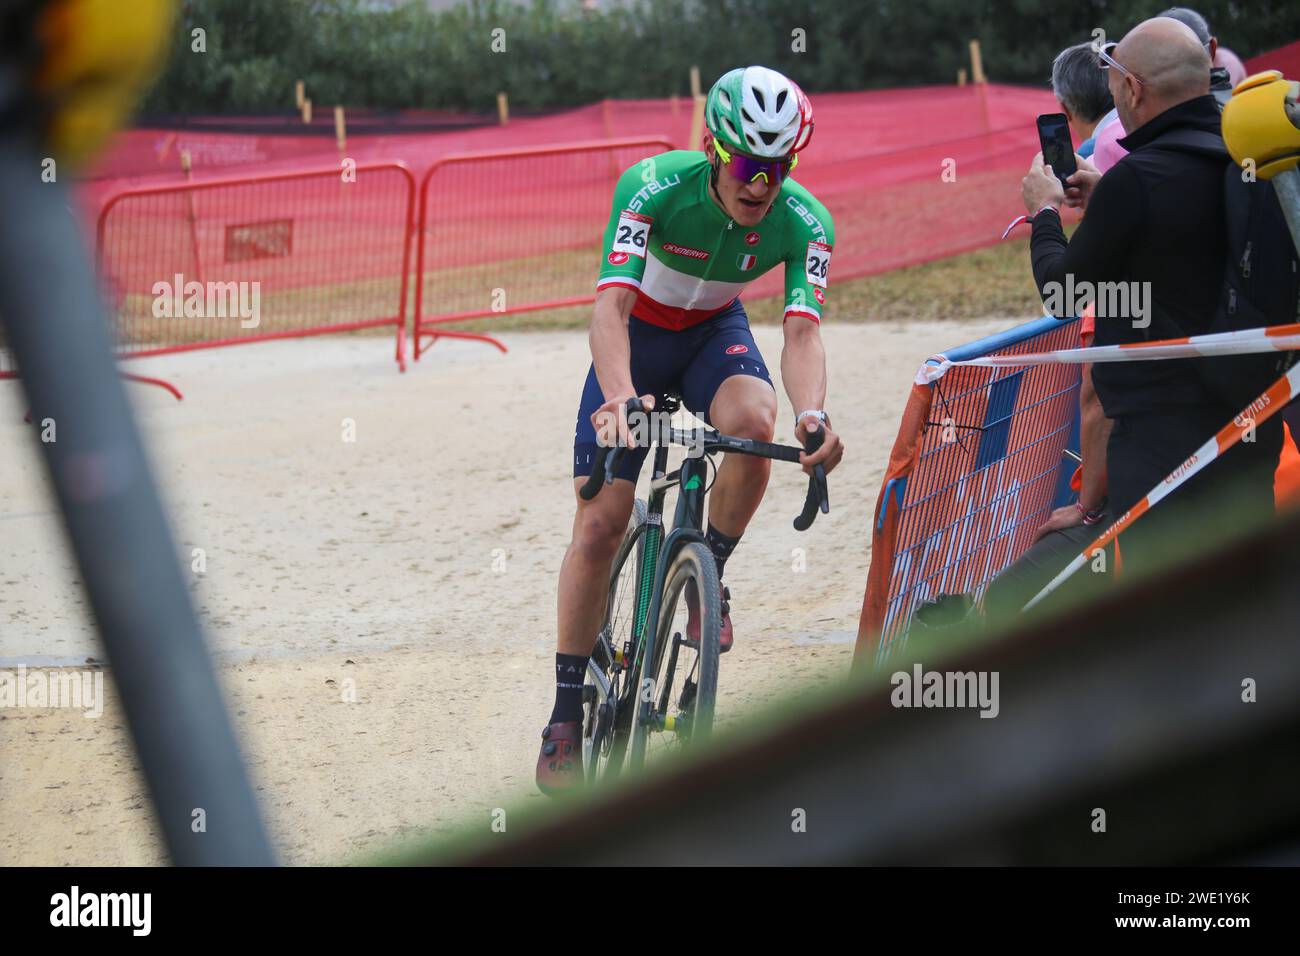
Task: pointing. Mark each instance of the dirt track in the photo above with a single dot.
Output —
(417, 561)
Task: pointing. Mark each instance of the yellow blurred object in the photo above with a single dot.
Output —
(96, 58)
(1258, 125)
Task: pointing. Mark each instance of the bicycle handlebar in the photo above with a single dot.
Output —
(605, 467)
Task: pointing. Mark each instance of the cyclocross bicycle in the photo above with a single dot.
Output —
(648, 687)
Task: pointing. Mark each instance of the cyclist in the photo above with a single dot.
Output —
(688, 231)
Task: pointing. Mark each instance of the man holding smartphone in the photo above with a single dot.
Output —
(1155, 219)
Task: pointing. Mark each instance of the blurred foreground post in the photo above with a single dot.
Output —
(124, 548)
(94, 62)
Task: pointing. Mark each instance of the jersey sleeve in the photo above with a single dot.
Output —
(627, 235)
(808, 258)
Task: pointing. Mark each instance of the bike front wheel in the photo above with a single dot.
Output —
(678, 688)
(604, 735)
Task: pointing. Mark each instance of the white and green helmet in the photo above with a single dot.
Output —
(760, 112)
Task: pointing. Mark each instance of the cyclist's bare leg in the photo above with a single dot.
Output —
(744, 406)
(598, 528)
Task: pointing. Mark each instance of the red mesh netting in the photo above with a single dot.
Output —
(909, 175)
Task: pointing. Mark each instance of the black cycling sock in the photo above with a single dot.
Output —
(570, 672)
(721, 545)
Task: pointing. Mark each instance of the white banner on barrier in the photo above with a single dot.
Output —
(1277, 338)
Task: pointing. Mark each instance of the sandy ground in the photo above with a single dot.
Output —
(417, 561)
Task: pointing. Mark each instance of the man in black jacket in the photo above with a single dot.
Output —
(1152, 246)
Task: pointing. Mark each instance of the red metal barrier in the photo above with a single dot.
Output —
(290, 254)
(6, 375)
(514, 231)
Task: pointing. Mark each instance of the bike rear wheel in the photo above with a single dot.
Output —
(679, 678)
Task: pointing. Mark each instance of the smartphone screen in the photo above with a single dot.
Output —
(1058, 150)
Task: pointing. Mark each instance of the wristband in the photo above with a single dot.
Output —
(814, 412)
(1091, 517)
(1029, 219)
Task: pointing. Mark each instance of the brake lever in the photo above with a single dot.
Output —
(818, 498)
(606, 465)
(602, 472)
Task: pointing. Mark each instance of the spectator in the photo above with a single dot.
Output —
(1079, 83)
(1221, 80)
(1225, 58)
(1155, 222)
(1226, 71)
(1076, 76)
(1106, 150)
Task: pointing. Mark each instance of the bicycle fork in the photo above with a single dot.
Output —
(688, 519)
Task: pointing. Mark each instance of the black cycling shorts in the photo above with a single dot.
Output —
(692, 363)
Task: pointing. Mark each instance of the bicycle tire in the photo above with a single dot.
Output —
(601, 753)
(693, 565)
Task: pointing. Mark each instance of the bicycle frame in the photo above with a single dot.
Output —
(688, 520)
(652, 568)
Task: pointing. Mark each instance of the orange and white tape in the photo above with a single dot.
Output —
(1256, 413)
(1277, 338)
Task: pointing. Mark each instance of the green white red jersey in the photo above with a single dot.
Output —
(688, 260)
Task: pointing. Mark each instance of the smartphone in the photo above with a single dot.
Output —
(1058, 150)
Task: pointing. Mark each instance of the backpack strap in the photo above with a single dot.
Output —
(1238, 211)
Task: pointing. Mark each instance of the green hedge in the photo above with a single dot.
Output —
(391, 56)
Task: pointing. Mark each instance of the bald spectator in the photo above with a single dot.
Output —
(1226, 71)
(1155, 227)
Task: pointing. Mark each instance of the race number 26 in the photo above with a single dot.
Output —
(818, 263)
(631, 233)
